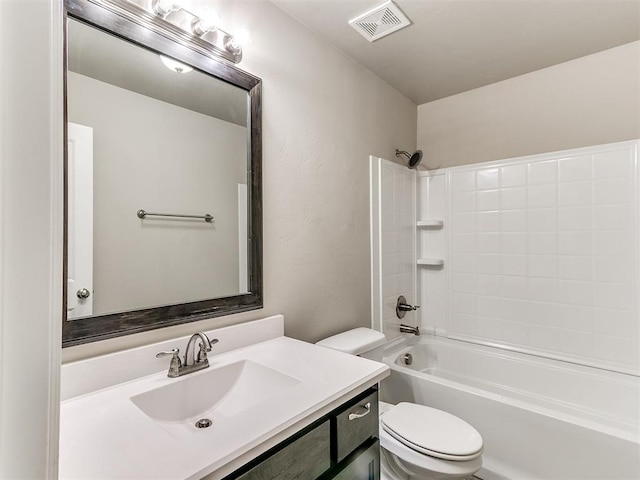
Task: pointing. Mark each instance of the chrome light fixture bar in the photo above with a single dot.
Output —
(168, 18)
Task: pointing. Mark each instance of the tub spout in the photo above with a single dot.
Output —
(409, 329)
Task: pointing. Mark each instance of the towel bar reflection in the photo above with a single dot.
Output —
(143, 214)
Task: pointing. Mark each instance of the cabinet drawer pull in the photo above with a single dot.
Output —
(361, 411)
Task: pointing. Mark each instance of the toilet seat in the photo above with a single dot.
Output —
(414, 459)
(432, 432)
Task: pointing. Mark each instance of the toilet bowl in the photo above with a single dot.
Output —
(416, 442)
(419, 442)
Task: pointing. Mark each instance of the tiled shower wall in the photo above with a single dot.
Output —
(432, 243)
(393, 237)
(543, 255)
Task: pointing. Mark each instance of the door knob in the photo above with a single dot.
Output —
(83, 293)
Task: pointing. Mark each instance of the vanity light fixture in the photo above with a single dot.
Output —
(202, 29)
(174, 65)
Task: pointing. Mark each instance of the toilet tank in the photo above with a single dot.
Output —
(364, 342)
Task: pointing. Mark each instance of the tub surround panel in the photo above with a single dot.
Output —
(540, 283)
(393, 234)
(544, 255)
(432, 242)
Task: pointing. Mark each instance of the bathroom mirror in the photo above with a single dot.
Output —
(163, 177)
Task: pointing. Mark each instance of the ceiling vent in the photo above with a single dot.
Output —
(381, 21)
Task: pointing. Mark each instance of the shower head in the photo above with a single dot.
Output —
(414, 158)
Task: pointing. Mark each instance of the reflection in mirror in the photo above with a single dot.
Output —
(146, 132)
(163, 142)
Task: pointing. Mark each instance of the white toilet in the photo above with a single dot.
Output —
(417, 442)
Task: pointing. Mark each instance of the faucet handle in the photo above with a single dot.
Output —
(202, 354)
(174, 352)
(405, 307)
(205, 343)
(176, 363)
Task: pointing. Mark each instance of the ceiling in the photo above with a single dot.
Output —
(457, 45)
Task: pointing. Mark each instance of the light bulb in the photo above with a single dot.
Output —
(206, 23)
(232, 46)
(234, 43)
(163, 7)
(174, 65)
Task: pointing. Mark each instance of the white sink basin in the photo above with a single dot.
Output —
(214, 393)
(256, 397)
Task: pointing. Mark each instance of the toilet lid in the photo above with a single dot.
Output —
(432, 432)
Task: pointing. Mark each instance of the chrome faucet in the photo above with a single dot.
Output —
(409, 329)
(177, 367)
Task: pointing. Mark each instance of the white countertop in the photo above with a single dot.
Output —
(105, 435)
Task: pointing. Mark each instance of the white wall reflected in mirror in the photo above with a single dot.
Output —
(162, 142)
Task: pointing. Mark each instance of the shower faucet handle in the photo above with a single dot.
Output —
(408, 308)
(402, 307)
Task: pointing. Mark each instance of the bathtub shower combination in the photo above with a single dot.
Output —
(527, 273)
(539, 418)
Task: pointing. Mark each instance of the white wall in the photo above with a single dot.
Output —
(30, 236)
(323, 115)
(588, 101)
(188, 163)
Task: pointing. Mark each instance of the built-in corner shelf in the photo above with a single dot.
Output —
(431, 262)
(430, 223)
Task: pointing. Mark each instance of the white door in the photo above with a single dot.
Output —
(80, 221)
(243, 273)
(393, 244)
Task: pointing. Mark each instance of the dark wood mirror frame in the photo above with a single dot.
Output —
(146, 32)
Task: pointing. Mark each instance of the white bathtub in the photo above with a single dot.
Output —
(539, 418)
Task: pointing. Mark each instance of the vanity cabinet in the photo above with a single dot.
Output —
(341, 445)
(306, 457)
(356, 422)
(364, 465)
